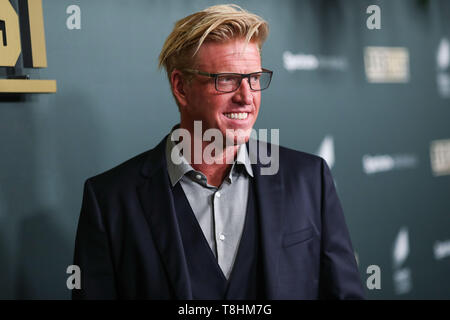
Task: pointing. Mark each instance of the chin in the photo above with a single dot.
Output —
(238, 139)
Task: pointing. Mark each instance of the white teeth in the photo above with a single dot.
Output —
(240, 115)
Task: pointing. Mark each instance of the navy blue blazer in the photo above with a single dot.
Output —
(128, 244)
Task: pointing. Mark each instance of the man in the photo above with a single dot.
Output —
(172, 224)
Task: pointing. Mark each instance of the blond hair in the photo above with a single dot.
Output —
(216, 23)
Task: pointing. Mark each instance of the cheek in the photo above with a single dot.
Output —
(207, 103)
(257, 101)
(198, 104)
(215, 104)
(258, 96)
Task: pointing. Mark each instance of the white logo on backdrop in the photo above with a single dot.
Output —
(326, 150)
(441, 249)
(383, 163)
(443, 55)
(309, 62)
(400, 252)
(440, 157)
(401, 248)
(386, 64)
(443, 73)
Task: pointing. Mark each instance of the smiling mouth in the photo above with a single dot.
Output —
(237, 115)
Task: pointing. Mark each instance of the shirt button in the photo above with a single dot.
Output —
(218, 194)
(222, 237)
(199, 177)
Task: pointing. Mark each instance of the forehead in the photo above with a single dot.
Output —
(230, 56)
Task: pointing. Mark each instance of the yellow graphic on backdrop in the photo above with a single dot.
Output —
(10, 35)
(30, 42)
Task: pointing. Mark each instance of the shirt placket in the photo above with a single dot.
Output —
(220, 231)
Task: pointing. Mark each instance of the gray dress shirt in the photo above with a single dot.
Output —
(220, 211)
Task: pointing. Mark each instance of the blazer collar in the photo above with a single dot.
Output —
(269, 191)
(158, 205)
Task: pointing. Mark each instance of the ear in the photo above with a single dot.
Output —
(179, 86)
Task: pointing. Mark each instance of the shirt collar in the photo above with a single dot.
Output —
(243, 158)
(177, 171)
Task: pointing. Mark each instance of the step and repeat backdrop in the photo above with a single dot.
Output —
(364, 84)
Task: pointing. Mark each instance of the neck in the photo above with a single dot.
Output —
(220, 168)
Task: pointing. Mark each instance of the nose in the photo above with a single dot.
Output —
(243, 95)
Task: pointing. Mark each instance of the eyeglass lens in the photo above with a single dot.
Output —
(230, 82)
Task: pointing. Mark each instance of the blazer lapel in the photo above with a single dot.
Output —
(269, 191)
(158, 204)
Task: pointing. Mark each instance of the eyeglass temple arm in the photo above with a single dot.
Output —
(216, 74)
(201, 72)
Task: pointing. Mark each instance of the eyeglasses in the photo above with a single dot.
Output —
(229, 82)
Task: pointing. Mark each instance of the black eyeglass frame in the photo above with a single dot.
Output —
(242, 75)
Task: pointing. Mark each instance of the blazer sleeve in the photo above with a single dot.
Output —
(92, 252)
(339, 275)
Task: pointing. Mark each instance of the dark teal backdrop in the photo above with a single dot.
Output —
(112, 103)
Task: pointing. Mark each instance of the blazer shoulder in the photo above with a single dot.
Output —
(291, 159)
(119, 177)
(300, 155)
(287, 155)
